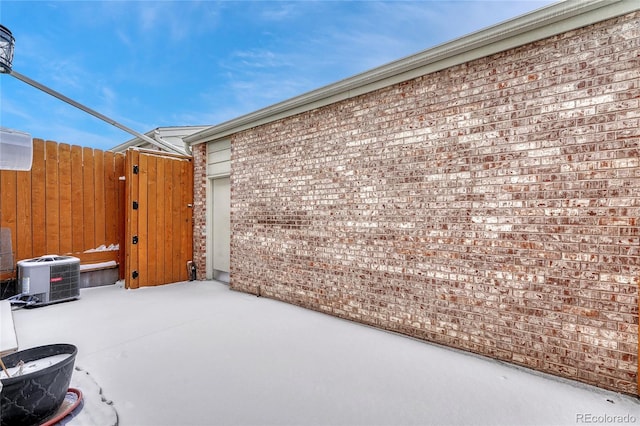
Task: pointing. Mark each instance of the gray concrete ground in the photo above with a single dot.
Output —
(198, 353)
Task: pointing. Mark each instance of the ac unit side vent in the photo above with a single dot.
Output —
(40, 296)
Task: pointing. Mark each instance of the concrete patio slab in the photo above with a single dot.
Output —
(8, 339)
(197, 353)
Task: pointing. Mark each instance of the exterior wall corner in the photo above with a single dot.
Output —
(200, 209)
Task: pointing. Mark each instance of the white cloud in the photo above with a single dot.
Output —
(124, 38)
(279, 11)
(16, 109)
(176, 21)
(257, 58)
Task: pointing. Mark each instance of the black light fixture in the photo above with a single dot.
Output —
(7, 43)
(16, 152)
(6, 49)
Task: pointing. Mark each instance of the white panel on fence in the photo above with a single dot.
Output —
(16, 150)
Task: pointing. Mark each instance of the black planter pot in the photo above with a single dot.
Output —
(31, 398)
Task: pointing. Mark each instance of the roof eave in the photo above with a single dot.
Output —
(542, 23)
(131, 142)
(135, 142)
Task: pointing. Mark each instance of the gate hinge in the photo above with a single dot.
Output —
(135, 169)
(135, 205)
(134, 274)
(134, 239)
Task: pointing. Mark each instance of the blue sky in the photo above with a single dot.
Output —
(149, 64)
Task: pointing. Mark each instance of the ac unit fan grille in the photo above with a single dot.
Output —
(66, 287)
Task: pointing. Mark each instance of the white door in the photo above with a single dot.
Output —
(221, 229)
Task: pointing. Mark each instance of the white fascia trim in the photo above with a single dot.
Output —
(159, 143)
(539, 24)
(130, 143)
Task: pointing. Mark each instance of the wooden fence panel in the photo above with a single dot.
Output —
(8, 208)
(131, 263)
(89, 219)
(52, 198)
(24, 246)
(143, 234)
(38, 201)
(160, 221)
(66, 200)
(152, 224)
(168, 222)
(69, 203)
(176, 223)
(119, 173)
(77, 193)
(98, 197)
(110, 196)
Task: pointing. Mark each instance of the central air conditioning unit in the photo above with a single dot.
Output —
(49, 279)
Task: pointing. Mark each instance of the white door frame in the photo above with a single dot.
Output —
(218, 167)
(211, 273)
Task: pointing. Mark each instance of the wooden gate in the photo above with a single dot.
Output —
(159, 201)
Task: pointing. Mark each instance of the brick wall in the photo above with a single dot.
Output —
(200, 209)
(492, 206)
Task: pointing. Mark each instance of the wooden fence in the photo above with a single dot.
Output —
(71, 202)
